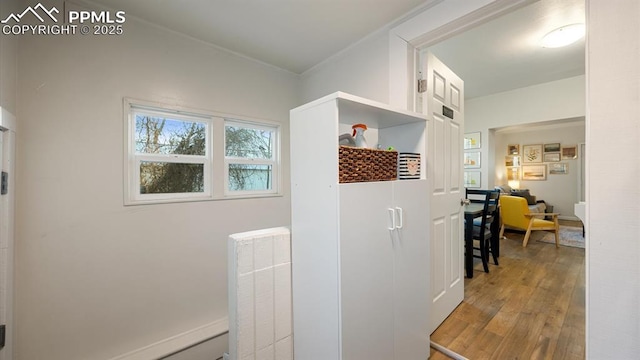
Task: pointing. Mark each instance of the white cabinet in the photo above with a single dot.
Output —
(360, 255)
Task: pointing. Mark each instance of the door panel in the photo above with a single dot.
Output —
(438, 154)
(444, 88)
(366, 268)
(411, 270)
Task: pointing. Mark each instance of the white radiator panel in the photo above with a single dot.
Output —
(260, 312)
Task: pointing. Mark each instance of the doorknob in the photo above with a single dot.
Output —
(464, 202)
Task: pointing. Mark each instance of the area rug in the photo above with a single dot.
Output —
(569, 236)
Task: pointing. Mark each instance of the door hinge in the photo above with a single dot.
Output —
(422, 86)
(3, 331)
(4, 183)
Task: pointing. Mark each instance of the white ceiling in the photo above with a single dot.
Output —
(291, 34)
(296, 35)
(505, 53)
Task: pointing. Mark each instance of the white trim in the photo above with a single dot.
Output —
(178, 342)
(93, 4)
(214, 161)
(7, 120)
(134, 159)
(274, 162)
(399, 20)
(437, 23)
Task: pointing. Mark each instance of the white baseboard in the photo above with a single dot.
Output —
(178, 342)
(566, 217)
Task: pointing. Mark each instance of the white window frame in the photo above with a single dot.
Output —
(273, 162)
(215, 161)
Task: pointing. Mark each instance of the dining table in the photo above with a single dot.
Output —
(473, 210)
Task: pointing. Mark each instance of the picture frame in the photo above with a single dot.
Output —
(472, 140)
(569, 152)
(472, 160)
(511, 160)
(513, 149)
(532, 154)
(513, 173)
(559, 169)
(472, 179)
(552, 148)
(534, 172)
(552, 157)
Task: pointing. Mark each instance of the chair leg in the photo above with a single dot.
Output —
(557, 232)
(526, 236)
(484, 255)
(501, 231)
(495, 258)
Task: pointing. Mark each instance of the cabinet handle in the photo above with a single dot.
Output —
(392, 215)
(400, 218)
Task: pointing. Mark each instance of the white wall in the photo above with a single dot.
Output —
(559, 191)
(613, 199)
(361, 70)
(96, 279)
(556, 100)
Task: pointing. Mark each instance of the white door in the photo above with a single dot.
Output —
(7, 220)
(366, 271)
(443, 104)
(411, 271)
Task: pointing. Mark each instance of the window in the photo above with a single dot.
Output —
(171, 156)
(250, 157)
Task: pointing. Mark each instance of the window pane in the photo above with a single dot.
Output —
(163, 135)
(165, 178)
(249, 177)
(249, 143)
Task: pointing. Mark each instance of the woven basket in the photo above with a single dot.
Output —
(362, 165)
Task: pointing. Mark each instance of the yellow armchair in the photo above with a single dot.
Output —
(514, 213)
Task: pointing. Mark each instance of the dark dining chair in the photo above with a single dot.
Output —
(482, 226)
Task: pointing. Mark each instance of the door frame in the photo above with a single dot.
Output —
(440, 20)
(7, 228)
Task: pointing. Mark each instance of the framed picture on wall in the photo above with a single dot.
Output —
(532, 154)
(472, 179)
(569, 152)
(472, 160)
(559, 169)
(554, 147)
(513, 173)
(513, 149)
(534, 172)
(512, 160)
(551, 157)
(472, 140)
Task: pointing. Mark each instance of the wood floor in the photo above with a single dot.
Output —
(531, 306)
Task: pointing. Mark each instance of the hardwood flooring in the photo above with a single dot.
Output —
(531, 306)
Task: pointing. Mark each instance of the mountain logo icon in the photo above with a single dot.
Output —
(35, 12)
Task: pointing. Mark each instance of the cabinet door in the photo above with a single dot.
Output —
(411, 270)
(366, 271)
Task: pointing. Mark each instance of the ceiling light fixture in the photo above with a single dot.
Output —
(563, 36)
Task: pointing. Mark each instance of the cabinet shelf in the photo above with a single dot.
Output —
(334, 114)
